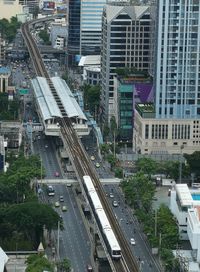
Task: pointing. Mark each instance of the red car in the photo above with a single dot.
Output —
(56, 174)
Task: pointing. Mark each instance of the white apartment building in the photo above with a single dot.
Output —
(177, 72)
(185, 205)
(125, 43)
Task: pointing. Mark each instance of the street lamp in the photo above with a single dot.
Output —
(41, 170)
(180, 163)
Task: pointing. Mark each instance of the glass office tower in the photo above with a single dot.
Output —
(91, 24)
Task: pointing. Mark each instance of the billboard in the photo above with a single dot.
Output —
(61, 9)
(48, 5)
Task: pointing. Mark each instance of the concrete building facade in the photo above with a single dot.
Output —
(9, 8)
(125, 43)
(164, 136)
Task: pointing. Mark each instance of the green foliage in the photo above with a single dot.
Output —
(38, 263)
(64, 266)
(26, 218)
(91, 98)
(106, 131)
(44, 35)
(8, 109)
(171, 263)
(130, 71)
(119, 172)
(112, 160)
(139, 191)
(193, 161)
(9, 29)
(167, 227)
(104, 149)
(30, 218)
(146, 165)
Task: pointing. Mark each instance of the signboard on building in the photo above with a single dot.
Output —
(48, 5)
(23, 91)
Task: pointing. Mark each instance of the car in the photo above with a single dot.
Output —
(69, 185)
(56, 174)
(57, 204)
(132, 241)
(92, 158)
(97, 165)
(46, 146)
(115, 203)
(61, 198)
(111, 195)
(89, 267)
(64, 208)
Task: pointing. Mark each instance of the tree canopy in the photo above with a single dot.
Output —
(8, 29)
(92, 98)
(22, 217)
(9, 110)
(193, 161)
(38, 263)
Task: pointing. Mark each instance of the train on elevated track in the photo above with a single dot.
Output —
(101, 218)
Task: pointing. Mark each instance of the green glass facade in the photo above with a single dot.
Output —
(125, 92)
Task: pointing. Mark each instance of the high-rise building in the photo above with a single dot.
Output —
(178, 59)
(90, 26)
(125, 43)
(74, 29)
(175, 128)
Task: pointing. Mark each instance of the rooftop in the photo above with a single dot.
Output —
(184, 194)
(90, 60)
(4, 70)
(146, 108)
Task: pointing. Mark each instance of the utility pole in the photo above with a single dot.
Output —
(180, 163)
(114, 142)
(58, 241)
(156, 219)
(41, 170)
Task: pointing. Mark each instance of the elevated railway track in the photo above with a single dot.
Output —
(80, 159)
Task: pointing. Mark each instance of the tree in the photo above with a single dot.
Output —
(38, 263)
(30, 219)
(119, 172)
(92, 98)
(64, 266)
(106, 131)
(44, 35)
(9, 29)
(139, 191)
(146, 165)
(193, 161)
(112, 160)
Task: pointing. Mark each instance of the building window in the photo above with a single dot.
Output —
(146, 131)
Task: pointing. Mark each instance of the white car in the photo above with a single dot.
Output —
(92, 158)
(132, 241)
(111, 195)
(115, 203)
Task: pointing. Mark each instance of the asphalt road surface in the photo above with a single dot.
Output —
(131, 229)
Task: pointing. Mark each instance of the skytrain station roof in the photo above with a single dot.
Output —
(47, 104)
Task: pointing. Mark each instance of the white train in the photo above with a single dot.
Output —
(101, 218)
